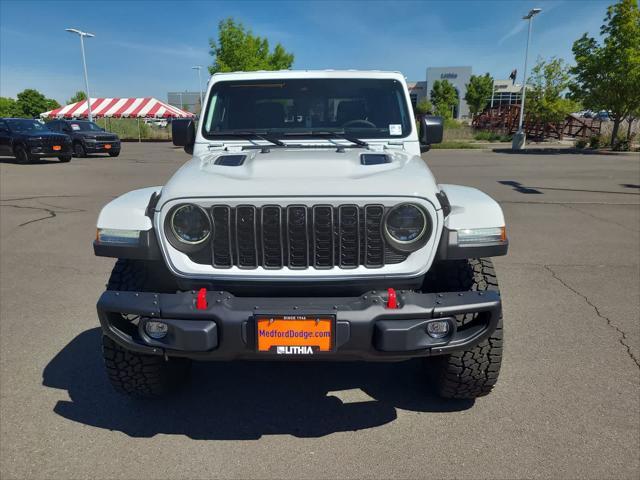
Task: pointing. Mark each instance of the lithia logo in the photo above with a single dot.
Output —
(294, 350)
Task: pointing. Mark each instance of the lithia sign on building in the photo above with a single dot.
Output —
(449, 75)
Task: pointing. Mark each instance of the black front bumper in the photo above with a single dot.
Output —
(39, 151)
(365, 329)
(99, 147)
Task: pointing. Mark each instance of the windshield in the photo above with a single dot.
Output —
(363, 108)
(84, 126)
(19, 125)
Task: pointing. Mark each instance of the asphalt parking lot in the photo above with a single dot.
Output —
(567, 404)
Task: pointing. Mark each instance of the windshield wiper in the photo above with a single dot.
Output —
(331, 133)
(250, 133)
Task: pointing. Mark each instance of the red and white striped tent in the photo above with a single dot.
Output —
(148, 107)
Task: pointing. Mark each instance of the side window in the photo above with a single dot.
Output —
(3, 126)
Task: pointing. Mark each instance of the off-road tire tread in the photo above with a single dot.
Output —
(135, 373)
(474, 372)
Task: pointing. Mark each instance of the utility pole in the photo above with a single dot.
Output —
(519, 138)
(82, 34)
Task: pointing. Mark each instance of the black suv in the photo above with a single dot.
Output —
(28, 139)
(87, 137)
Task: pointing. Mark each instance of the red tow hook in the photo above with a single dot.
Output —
(392, 299)
(201, 300)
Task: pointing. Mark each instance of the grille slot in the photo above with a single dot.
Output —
(323, 250)
(349, 236)
(221, 243)
(272, 256)
(374, 243)
(300, 237)
(297, 236)
(246, 236)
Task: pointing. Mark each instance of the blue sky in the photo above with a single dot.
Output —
(146, 48)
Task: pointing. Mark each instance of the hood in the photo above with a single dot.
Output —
(42, 133)
(303, 172)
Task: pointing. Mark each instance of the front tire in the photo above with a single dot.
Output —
(79, 150)
(470, 373)
(133, 373)
(114, 154)
(64, 158)
(22, 156)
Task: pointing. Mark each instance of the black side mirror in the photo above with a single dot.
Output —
(183, 134)
(431, 130)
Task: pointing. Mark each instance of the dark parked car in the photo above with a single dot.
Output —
(27, 139)
(87, 137)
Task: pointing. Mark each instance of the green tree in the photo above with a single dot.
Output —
(478, 94)
(237, 49)
(547, 85)
(607, 74)
(444, 97)
(32, 103)
(9, 108)
(77, 97)
(423, 107)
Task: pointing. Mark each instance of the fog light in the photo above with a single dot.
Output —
(438, 329)
(156, 329)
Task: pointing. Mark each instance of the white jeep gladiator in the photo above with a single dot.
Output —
(306, 226)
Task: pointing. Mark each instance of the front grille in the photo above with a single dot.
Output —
(105, 138)
(299, 237)
(50, 141)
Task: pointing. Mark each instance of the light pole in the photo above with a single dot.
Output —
(198, 68)
(520, 137)
(82, 34)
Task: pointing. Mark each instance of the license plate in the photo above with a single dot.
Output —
(107, 146)
(57, 148)
(294, 334)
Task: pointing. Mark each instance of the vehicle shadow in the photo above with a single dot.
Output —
(243, 400)
(40, 161)
(520, 188)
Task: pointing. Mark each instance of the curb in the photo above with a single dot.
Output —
(566, 150)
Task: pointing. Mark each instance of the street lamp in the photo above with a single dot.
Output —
(82, 34)
(198, 68)
(520, 137)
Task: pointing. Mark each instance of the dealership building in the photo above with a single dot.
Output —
(505, 92)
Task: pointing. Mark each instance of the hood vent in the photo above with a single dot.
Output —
(374, 159)
(230, 160)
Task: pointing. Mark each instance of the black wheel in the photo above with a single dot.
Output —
(134, 373)
(114, 154)
(79, 150)
(470, 373)
(22, 156)
(64, 158)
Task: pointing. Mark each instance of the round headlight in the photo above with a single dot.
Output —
(190, 224)
(405, 224)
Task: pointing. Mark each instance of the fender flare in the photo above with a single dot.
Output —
(130, 212)
(470, 209)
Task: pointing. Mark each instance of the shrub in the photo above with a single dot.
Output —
(581, 143)
(595, 141)
(450, 123)
(622, 144)
(492, 136)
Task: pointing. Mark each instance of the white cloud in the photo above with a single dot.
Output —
(178, 50)
(521, 25)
